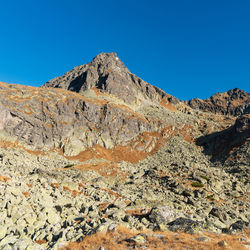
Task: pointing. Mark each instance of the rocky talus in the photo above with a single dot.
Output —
(98, 150)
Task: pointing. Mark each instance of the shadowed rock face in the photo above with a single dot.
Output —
(234, 102)
(225, 142)
(108, 74)
(242, 124)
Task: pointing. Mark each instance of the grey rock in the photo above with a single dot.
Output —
(239, 225)
(220, 214)
(163, 215)
(185, 225)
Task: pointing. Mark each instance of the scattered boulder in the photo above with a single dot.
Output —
(162, 215)
(185, 225)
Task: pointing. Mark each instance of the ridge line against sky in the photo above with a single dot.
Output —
(187, 48)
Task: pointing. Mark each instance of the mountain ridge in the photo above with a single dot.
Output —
(99, 148)
(233, 102)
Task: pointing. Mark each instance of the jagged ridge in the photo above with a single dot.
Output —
(234, 102)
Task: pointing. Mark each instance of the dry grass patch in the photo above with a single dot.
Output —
(119, 239)
(4, 178)
(165, 103)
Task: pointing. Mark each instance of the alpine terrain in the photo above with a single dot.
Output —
(99, 159)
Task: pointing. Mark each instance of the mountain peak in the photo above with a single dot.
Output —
(106, 56)
(107, 62)
(237, 93)
(107, 73)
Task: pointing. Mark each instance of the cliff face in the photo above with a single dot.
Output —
(50, 118)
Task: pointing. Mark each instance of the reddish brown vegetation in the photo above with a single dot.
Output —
(131, 153)
(26, 194)
(40, 242)
(103, 168)
(138, 211)
(165, 103)
(4, 178)
(119, 153)
(8, 144)
(118, 239)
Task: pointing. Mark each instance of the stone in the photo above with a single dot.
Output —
(52, 216)
(30, 218)
(138, 239)
(223, 243)
(3, 231)
(239, 225)
(163, 215)
(108, 74)
(99, 148)
(10, 239)
(203, 239)
(219, 213)
(184, 225)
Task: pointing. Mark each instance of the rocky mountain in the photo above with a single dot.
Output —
(107, 74)
(100, 150)
(234, 102)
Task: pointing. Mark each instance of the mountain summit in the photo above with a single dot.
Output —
(107, 74)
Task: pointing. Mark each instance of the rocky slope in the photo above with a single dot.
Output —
(98, 148)
(51, 118)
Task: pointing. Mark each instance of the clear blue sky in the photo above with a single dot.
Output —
(189, 48)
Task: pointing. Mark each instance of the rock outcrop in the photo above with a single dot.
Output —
(50, 118)
(221, 144)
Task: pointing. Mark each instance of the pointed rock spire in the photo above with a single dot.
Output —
(108, 74)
